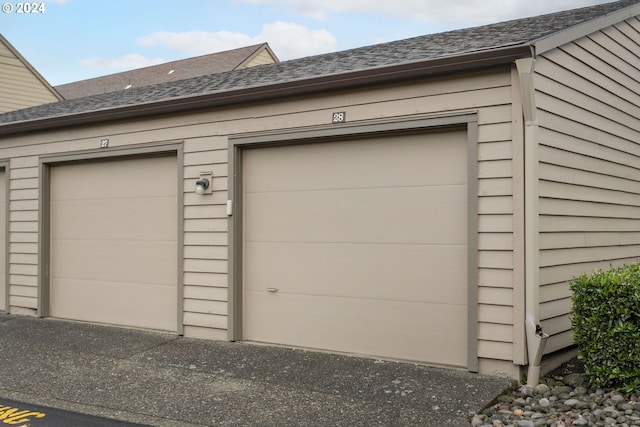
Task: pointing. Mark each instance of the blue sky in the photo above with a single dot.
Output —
(79, 39)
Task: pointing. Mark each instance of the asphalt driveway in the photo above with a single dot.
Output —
(164, 380)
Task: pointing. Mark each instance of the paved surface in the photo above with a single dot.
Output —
(24, 414)
(164, 380)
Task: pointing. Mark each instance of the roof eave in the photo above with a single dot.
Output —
(367, 77)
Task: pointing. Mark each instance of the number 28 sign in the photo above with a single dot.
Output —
(340, 117)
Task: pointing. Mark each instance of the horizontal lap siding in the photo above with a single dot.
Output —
(205, 137)
(263, 57)
(23, 235)
(19, 87)
(497, 331)
(205, 240)
(589, 101)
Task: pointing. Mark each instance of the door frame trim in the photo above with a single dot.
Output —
(387, 127)
(4, 166)
(116, 153)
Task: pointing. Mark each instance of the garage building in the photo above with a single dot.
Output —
(424, 200)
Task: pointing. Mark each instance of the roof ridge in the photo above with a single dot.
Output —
(253, 48)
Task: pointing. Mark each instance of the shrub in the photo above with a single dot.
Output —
(606, 326)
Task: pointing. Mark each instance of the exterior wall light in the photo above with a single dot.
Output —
(203, 185)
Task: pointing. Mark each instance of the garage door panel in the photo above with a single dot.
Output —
(113, 179)
(120, 303)
(371, 327)
(365, 242)
(435, 215)
(77, 219)
(95, 259)
(114, 242)
(386, 272)
(370, 162)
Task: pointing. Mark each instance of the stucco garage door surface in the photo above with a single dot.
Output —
(114, 242)
(359, 246)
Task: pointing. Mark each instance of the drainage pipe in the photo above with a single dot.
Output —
(536, 338)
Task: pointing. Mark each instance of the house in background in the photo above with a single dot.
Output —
(426, 199)
(230, 60)
(21, 86)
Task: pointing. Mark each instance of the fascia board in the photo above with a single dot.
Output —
(348, 80)
(557, 39)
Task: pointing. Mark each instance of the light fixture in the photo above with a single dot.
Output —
(203, 185)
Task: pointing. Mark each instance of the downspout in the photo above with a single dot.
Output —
(536, 338)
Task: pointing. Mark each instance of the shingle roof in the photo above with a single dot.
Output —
(162, 73)
(424, 48)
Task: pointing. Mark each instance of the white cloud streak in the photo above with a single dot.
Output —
(448, 13)
(290, 40)
(287, 39)
(195, 42)
(125, 62)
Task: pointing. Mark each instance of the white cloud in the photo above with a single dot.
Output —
(461, 13)
(196, 42)
(287, 39)
(465, 13)
(125, 62)
(290, 40)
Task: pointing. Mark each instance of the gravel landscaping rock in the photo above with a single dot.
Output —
(563, 398)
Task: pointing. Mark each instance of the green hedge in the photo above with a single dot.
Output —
(606, 326)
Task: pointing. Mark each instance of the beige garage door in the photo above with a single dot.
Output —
(359, 246)
(3, 240)
(113, 242)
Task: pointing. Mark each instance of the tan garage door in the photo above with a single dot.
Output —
(359, 246)
(113, 242)
(3, 240)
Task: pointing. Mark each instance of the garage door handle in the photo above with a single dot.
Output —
(273, 290)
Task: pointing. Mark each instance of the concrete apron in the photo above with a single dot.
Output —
(164, 380)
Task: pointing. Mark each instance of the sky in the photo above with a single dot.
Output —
(72, 40)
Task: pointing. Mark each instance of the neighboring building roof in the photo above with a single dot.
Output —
(214, 63)
(21, 86)
(465, 49)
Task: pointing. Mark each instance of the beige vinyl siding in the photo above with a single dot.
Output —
(589, 113)
(19, 87)
(499, 329)
(23, 235)
(205, 149)
(264, 57)
(3, 239)
(205, 240)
